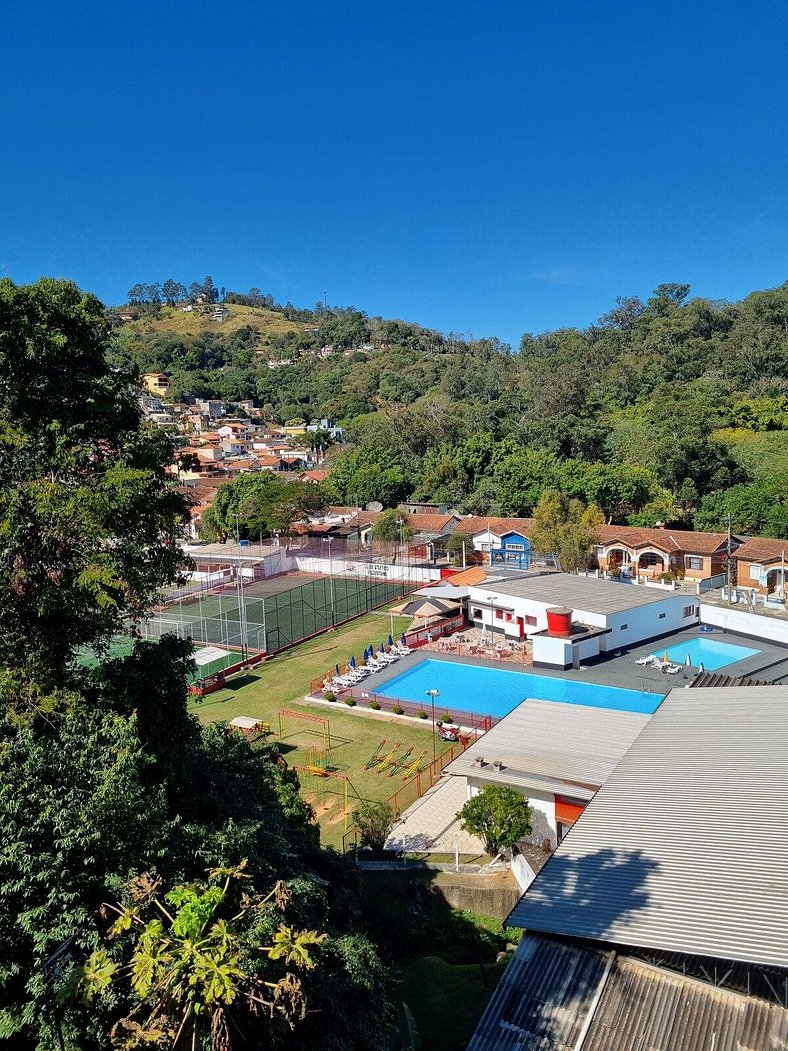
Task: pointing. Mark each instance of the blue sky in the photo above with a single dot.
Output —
(481, 167)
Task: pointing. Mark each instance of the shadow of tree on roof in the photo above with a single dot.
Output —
(586, 896)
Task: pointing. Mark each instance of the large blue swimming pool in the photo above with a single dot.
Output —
(711, 653)
(493, 691)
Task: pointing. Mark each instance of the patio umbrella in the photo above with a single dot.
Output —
(665, 658)
(687, 661)
(336, 667)
(402, 639)
(352, 662)
(701, 669)
(430, 607)
(382, 648)
(391, 641)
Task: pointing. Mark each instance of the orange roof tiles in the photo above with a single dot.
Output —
(663, 539)
(466, 577)
(429, 523)
(472, 524)
(762, 549)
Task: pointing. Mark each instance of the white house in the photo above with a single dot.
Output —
(571, 618)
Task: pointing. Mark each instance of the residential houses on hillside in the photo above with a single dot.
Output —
(222, 446)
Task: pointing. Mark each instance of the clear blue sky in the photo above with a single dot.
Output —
(475, 166)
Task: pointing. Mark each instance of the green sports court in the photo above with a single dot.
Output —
(270, 614)
(208, 660)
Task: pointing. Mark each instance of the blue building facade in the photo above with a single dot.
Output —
(514, 550)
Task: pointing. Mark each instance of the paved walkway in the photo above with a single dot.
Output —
(431, 824)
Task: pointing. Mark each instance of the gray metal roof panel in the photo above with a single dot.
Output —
(550, 739)
(685, 847)
(580, 593)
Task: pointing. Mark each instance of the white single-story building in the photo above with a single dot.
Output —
(558, 755)
(571, 619)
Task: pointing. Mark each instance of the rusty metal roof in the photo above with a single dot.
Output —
(552, 990)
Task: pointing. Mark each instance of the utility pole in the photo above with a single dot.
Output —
(240, 585)
(432, 694)
(729, 567)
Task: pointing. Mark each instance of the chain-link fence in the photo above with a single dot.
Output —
(269, 615)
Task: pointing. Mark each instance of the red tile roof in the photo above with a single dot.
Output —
(669, 540)
(465, 578)
(430, 523)
(473, 524)
(762, 549)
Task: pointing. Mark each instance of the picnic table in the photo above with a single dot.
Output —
(247, 725)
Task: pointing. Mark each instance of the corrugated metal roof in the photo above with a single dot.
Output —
(548, 739)
(548, 990)
(715, 678)
(579, 593)
(685, 847)
(541, 1000)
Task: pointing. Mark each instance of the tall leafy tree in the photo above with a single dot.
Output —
(88, 519)
(104, 774)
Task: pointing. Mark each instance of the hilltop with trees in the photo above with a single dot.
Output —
(669, 408)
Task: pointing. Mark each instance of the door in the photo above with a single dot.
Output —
(521, 626)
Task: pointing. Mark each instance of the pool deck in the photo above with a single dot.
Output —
(620, 669)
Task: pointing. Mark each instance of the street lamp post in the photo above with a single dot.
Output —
(491, 600)
(432, 694)
(327, 540)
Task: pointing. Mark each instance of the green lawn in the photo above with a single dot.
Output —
(443, 960)
(447, 1000)
(282, 682)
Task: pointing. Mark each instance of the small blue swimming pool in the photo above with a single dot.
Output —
(493, 691)
(711, 653)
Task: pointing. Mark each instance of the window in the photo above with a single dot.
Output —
(599, 550)
(755, 571)
(515, 547)
(509, 617)
(693, 562)
(689, 611)
(662, 616)
(530, 621)
(477, 614)
(499, 614)
(624, 627)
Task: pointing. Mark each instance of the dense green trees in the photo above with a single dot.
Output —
(631, 413)
(564, 529)
(264, 503)
(87, 527)
(104, 774)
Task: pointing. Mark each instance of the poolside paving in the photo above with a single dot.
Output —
(430, 824)
(619, 669)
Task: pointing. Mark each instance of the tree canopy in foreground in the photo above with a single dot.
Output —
(108, 785)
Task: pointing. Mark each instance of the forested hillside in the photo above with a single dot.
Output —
(673, 409)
